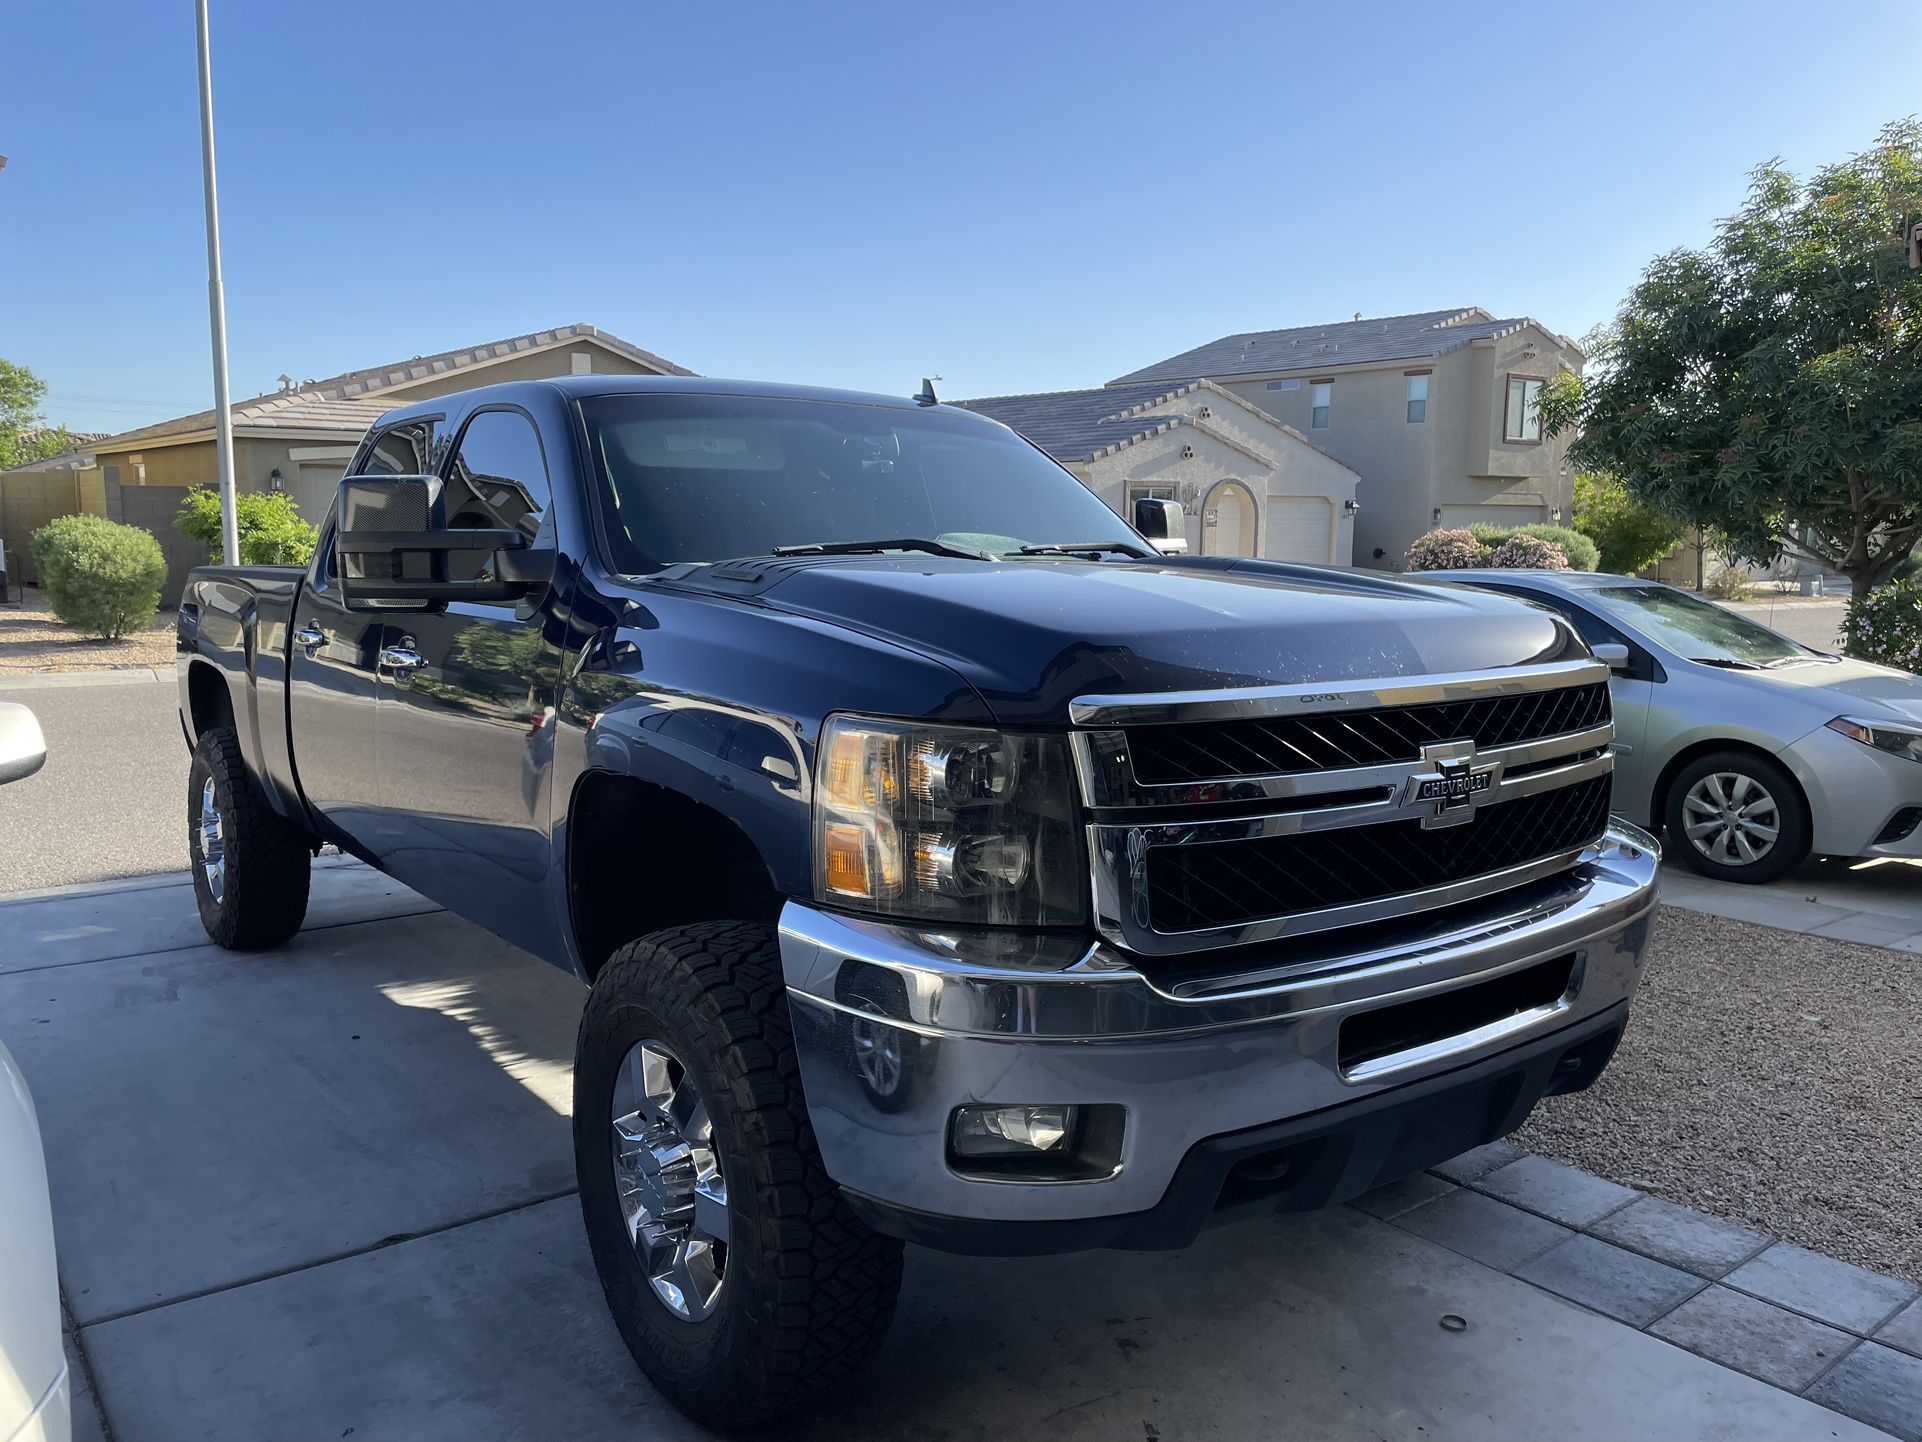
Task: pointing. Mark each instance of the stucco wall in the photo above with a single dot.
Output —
(1280, 466)
(1454, 458)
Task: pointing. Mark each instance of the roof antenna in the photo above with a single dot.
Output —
(926, 396)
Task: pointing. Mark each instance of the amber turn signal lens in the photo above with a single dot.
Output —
(844, 861)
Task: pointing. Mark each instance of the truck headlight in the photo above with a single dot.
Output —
(947, 823)
(1903, 741)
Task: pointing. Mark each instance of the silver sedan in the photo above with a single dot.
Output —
(1752, 750)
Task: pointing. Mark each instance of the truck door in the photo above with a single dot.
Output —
(466, 708)
(334, 667)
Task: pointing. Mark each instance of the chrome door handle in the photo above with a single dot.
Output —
(401, 658)
(310, 636)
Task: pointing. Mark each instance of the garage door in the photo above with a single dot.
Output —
(1455, 517)
(1298, 528)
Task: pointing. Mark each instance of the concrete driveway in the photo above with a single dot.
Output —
(326, 1193)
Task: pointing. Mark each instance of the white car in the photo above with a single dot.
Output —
(34, 1401)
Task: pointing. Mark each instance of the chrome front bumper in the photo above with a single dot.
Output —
(896, 1027)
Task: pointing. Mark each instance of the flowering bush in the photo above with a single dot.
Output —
(1522, 552)
(1445, 551)
(1886, 626)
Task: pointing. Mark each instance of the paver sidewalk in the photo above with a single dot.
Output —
(332, 1197)
(1878, 902)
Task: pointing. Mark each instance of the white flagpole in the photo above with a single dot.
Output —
(216, 303)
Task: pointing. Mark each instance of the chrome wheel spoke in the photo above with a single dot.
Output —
(1703, 828)
(1699, 804)
(1742, 848)
(667, 1175)
(1758, 832)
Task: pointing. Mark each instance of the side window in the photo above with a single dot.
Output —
(499, 477)
(407, 449)
(496, 481)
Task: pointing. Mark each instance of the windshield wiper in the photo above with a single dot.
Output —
(1728, 663)
(898, 543)
(1085, 548)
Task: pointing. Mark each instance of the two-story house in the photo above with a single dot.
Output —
(1436, 412)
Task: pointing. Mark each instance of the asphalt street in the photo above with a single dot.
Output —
(109, 802)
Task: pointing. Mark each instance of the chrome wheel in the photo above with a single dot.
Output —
(213, 843)
(668, 1174)
(1731, 818)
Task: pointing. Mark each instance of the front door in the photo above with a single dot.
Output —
(334, 672)
(466, 707)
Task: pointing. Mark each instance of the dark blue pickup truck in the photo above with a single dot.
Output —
(944, 862)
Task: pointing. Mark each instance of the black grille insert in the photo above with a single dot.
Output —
(1221, 750)
(1370, 1035)
(1221, 883)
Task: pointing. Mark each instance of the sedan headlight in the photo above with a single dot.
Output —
(1903, 741)
(947, 823)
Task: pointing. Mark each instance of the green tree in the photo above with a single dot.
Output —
(1769, 387)
(1630, 534)
(21, 392)
(271, 530)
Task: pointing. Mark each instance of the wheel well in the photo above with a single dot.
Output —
(1658, 810)
(641, 857)
(209, 703)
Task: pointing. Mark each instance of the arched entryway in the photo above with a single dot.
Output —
(1229, 521)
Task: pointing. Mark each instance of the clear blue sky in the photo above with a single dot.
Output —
(1014, 196)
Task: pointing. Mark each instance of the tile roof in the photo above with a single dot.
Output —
(1322, 347)
(344, 403)
(1075, 425)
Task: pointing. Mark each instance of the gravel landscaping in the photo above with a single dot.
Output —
(1770, 1078)
(32, 640)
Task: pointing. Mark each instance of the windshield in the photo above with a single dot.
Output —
(1697, 629)
(711, 477)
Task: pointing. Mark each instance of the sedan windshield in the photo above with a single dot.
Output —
(1697, 629)
(685, 477)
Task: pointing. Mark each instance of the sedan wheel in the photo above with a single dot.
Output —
(1736, 815)
(1731, 818)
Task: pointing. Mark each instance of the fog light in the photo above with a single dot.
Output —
(1013, 1131)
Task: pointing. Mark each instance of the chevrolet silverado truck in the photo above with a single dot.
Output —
(943, 862)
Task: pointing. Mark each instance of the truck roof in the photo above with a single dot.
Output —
(600, 385)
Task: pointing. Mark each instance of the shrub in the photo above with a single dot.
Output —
(1731, 583)
(1444, 551)
(1630, 534)
(1582, 553)
(100, 576)
(1577, 548)
(1522, 552)
(1885, 625)
(271, 530)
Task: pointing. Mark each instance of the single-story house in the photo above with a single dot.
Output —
(1250, 484)
(299, 438)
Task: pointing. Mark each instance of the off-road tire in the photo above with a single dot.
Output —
(1794, 831)
(268, 859)
(809, 1289)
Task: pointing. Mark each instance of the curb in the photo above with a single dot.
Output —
(115, 676)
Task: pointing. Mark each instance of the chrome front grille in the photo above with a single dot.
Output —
(1223, 818)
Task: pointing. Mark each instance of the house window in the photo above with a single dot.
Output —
(1522, 417)
(1284, 385)
(1320, 394)
(1417, 397)
(1140, 492)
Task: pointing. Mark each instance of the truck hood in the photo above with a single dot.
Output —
(1031, 636)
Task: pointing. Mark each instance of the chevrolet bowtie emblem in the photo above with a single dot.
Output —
(1450, 783)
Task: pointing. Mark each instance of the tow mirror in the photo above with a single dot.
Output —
(23, 750)
(393, 545)
(1612, 654)
(1163, 524)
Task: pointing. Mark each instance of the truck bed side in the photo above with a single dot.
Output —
(233, 650)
